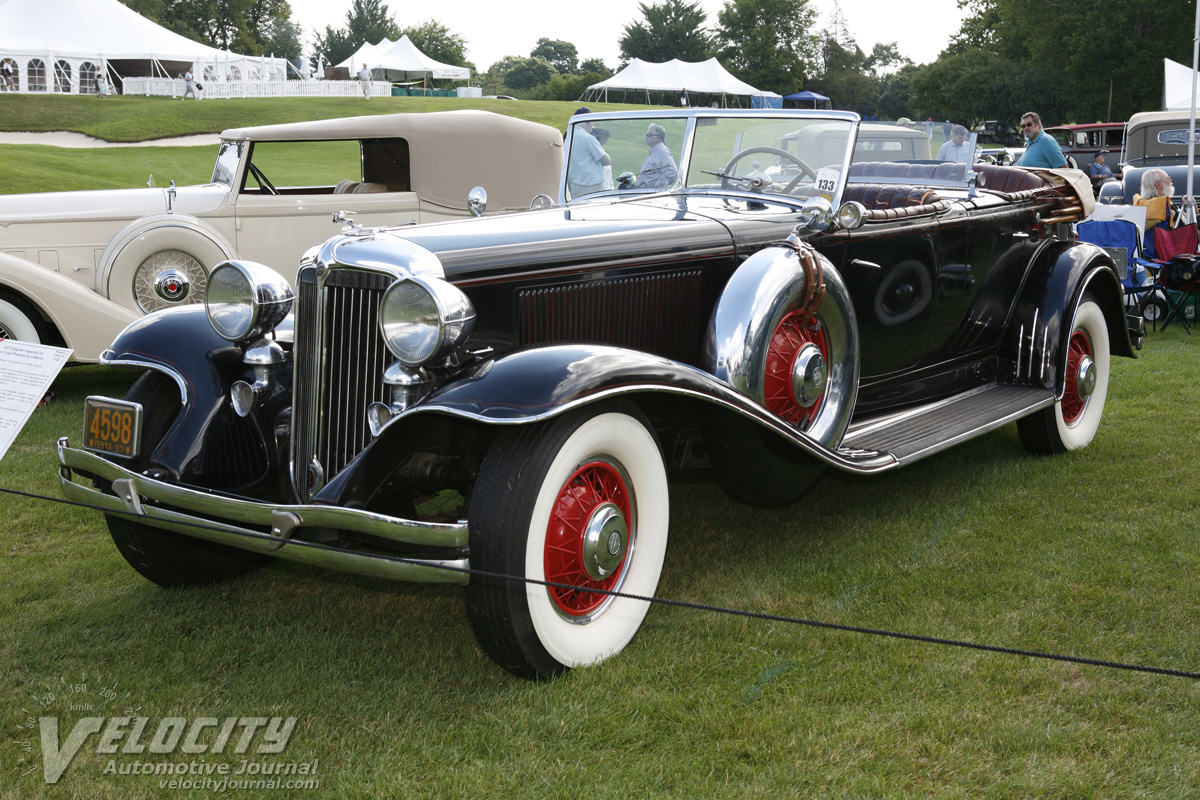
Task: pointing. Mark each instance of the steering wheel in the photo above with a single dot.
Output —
(263, 183)
(805, 169)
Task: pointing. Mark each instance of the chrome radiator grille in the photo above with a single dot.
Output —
(339, 362)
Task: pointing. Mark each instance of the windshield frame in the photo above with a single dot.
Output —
(691, 119)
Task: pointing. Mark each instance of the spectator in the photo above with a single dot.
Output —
(189, 86)
(1040, 148)
(101, 86)
(8, 76)
(1099, 170)
(364, 76)
(658, 170)
(1156, 197)
(957, 149)
(905, 122)
(585, 166)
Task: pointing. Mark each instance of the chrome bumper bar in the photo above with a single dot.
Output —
(138, 494)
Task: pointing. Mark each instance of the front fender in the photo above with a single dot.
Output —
(86, 321)
(1062, 272)
(540, 383)
(181, 344)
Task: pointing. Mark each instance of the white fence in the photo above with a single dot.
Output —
(171, 87)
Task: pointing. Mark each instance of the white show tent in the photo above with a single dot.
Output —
(61, 46)
(401, 61)
(686, 77)
(1177, 86)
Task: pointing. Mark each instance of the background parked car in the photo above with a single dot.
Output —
(1153, 139)
(995, 132)
(1084, 141)
(273, 193)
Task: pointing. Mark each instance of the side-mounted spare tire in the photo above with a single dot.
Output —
(784, 334)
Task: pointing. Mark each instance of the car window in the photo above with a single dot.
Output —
(1176, 137)
(228, 158)
(1062, 137)
(306, 164)
(1113, 138)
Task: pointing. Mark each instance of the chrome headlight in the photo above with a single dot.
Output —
(851, 215)
(244, 300)
(424, 319)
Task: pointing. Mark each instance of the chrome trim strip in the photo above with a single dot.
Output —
(108, 360)
(450, 534)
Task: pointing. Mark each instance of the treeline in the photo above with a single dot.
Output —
(1086, 60)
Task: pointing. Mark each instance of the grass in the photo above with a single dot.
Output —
(1091, 554)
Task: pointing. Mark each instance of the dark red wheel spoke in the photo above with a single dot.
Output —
(591, 485)
(794, 331)
(1077, 349)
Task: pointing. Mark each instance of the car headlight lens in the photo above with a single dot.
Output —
(424, 319)
(245, 300)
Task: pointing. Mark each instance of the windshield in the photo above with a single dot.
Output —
(228, 158)
(782, 155)
(798, 157)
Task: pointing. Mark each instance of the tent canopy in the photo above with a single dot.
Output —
(401, 60)
(704, 77)
(806, 95)
(1177, 86)
(40, 35)
(100, 29)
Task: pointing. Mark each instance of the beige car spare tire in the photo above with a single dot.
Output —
(160, 266)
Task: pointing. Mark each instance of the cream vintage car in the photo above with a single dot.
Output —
(77, 267)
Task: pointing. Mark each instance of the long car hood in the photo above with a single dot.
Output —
(109, 204)
(601, 234)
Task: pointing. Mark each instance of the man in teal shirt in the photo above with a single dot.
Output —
(1040, 148)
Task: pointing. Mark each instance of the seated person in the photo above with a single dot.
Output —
(1099, 171)
(1156, 197)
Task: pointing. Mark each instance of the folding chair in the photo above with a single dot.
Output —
(1119, 237)
(1176, 249)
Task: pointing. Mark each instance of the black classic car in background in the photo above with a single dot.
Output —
(779, 310)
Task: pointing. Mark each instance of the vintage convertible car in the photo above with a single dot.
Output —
(499, 402)
(141, 250)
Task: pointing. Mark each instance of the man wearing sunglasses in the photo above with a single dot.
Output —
(1040, 148)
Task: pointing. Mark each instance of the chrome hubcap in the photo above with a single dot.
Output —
(605, 540)
(808, 375)
(1085, 378)
(172, 285)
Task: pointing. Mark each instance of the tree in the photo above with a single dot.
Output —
(529, 73)
(559, 54)
(594, 66)
(1090, 45)
(768, 43)
(437, 41)
(671, 29)
(333, 46)
(370, 21)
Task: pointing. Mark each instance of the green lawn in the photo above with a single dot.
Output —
(1092, 554)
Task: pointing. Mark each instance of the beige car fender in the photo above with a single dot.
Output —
(160, 261)
(86, 322)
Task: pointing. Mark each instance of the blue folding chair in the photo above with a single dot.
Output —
(1119, 237)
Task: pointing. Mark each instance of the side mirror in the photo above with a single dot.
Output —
(477, 201)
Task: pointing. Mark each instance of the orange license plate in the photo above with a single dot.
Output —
(112, 426)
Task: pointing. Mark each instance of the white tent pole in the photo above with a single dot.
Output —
(1189, 209)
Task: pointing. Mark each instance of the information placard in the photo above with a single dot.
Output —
(26, 372)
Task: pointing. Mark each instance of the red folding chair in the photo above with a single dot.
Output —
(1177, 250)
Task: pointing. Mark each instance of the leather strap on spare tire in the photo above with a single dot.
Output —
(814, 276)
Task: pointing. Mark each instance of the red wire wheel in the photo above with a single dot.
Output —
(592, 488)
(794, 331)
(1073, 405)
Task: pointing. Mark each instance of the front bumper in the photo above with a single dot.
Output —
(241, 523)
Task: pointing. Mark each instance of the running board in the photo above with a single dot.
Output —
(919, 432)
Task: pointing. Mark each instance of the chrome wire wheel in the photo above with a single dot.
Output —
(167, 279)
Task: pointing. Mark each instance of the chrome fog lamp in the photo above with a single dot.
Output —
(245, 300)
(424, 319)
(851, 215)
